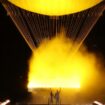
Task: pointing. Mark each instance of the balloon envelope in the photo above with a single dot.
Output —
(55, 7)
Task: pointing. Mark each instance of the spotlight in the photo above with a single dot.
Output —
(97, 103)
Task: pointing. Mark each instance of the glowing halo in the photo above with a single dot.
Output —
(55, 7)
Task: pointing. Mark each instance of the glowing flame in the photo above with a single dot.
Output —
(54, 64)
(55, 7)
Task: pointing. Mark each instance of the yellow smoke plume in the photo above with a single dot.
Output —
(55, 64)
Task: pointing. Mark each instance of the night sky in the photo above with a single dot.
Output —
(14, 60)
(15, 53)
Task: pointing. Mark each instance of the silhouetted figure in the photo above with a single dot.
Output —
(51, 98)
(57, 97)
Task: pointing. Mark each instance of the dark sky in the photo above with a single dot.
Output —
(96, 39)
(14, 54)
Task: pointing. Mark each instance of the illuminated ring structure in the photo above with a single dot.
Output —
(55, 7)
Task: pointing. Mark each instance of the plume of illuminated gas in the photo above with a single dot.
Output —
(54, 65)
